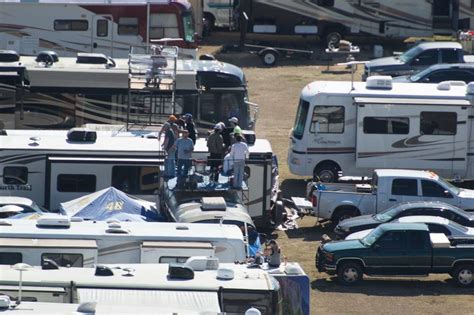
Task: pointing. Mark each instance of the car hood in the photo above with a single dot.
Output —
(466, 193)
(342, 245)
(362, 220)
(383, 62)
(358, 235)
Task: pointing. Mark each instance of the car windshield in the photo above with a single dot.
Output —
(410, 54)
(388, 214)
(417, 76)
(372, 237)
(451, 187)
(458, 227)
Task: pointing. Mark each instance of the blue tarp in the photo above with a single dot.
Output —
(111, 203)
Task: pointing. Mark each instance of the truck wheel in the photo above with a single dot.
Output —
(269, 57)
(463, 275)
(327, 172)
(341, 215)
(349, 273)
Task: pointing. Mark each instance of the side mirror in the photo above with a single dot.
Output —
(426, 80)
(376, 247)
(447, 194)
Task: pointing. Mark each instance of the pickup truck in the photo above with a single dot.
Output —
(397, 249)
(388, 187)
(417, 58)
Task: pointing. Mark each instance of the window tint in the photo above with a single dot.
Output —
(164, 25)
(71, 25)
(432, 189)
(427, 58)
(438, 123)
(102, 28)
(409, 212)
(327, 119)
(450, 75)
(15, 175)
(136, 180)
(64, 260)
(438, 228)
(300, 122)
(10, 258)
(171, 260)
(417, 240)
(76, 183)
(392, 240)
(404, 187)
(128, 26)
(386, 125)
(449, 56)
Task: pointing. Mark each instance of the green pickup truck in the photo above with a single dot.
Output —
(395, 249)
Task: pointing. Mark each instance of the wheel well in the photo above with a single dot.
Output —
(463, 262)
(345, 208)
(354, 261)
(329, 28)
(327, 164)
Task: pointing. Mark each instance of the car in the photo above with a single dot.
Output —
(19, 207)
(424, 208)
(435, 225)
(439, 73)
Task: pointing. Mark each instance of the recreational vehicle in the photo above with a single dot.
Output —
(92, 88)
(218, 13)
(355, 127)
(87, 243)
(51, 168)
(103, 26)
(332, 20)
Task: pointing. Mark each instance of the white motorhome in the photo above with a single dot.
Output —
(218, 13)
(87, 243)
(101, 26)
(332, 19)
(49, 168)
(355, 127)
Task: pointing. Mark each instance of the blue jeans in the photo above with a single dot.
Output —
(239, 166)
(183, 168)
(170, 166)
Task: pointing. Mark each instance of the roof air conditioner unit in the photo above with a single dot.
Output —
(103, 271)
(379, 82)
(9, 56)
(81, 135)
(201, 263)
(213, 203)
(47, 56)
(5, 301)
(53, 221)
(470, 88)
(180, 272)
(225, 274)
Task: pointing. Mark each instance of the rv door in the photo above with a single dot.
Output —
(102, 35)
(408, 133)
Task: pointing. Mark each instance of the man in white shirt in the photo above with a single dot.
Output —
(239, 152)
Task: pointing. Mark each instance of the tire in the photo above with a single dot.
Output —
(333, 38)
(269, 57)
(326, 173)
(463, 275)
(350, 273)
(341, 215)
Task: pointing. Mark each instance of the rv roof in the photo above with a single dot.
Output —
(145, 276)
(406, 173)
(95, 1)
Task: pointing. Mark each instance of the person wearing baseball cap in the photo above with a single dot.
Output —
(234, 122)
(215, 144)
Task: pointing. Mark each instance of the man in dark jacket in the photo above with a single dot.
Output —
(216, 147)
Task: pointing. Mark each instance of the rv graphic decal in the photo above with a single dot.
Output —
(321, 140)
(414, 142)
(16, 187)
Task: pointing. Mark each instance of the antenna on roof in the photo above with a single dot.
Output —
(353, 65)
(20, 267)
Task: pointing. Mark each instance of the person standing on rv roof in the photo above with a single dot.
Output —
(239, 152)
(188, 118)
(234, 123)
(215, 144)
(185, 148)
(169, 146)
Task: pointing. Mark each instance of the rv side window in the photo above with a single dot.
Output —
(438, 123)
(102, 28)
(128, 26)
(71, 25)
(10, 258)
(239, 301)
(386, 125)
(76, 183)
(404, 187)
(172, 260)
(327, 119)
(137, 180)
(15, 175)
(64, 260)
(164, 25)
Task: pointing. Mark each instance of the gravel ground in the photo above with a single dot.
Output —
(276, 90)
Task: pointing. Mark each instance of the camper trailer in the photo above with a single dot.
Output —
(106, 26)
(51, 92)
(50, 167)
(354, 127)
(332, 20)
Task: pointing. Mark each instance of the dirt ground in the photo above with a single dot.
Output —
(277, 90)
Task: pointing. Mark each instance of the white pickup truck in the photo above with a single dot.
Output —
(388, 187)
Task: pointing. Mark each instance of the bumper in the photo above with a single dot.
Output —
(322, 265)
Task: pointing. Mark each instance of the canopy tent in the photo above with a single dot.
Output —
(111, 203)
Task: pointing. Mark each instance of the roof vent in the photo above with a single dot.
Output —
(53, 221)
(293, 269)
(379, 82)
(103, 271)
(180, 272)
(213, 204)
(94, 59)
(87, 307)
(9, 56)
(446, 85)
(201, 263)
(48, 57)
(116, 228)
(5, 301)
(470, 88)
(225, 274)
(5, 223)
(81, 135)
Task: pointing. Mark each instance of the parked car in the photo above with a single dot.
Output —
(439, 73)
(417, 58)
(397, 249)
(435, 225)
(425, 208)
(389, 187)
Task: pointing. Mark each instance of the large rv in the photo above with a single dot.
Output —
(354, 127)
(49, 168)
(102, 26)
(332, 19)
(92, 88)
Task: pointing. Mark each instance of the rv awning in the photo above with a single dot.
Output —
(51, 242)
(410, 101)
(172, 301)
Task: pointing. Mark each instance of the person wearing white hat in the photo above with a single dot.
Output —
(234, 122)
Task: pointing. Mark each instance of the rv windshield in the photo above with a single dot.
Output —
(408, 55)
(300, 121)
(188, 26)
